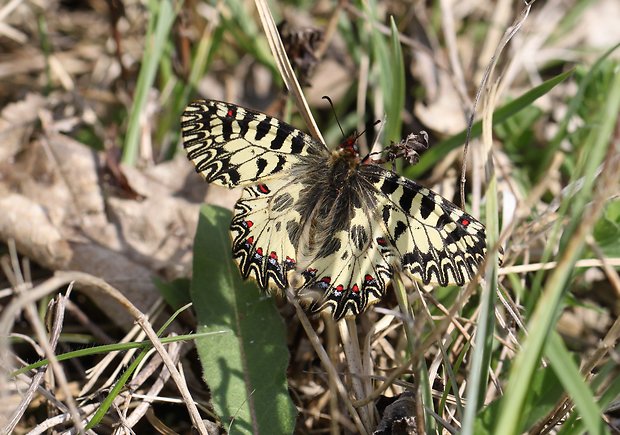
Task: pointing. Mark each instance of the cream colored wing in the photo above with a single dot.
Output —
(264, 225)
(349, 271)
(426, 235)
(234, 146)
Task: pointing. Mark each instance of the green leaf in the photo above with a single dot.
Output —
(396, 96)
(391, 71)
(244, 368)
(175, 293)
(574, 384)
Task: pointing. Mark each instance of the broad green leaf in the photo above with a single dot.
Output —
(244, 368)
(175, 293)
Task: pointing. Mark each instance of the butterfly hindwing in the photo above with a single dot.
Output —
(233, 146)
(261, 231)
(433, 240)
(353, 276)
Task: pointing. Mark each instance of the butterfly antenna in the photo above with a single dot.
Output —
(325, 97)
(365, 130)
(359, 135)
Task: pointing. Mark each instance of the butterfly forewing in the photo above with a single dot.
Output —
(233, 146)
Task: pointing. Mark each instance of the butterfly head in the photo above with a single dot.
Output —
(349, 146)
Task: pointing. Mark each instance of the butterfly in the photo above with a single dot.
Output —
(333, 226)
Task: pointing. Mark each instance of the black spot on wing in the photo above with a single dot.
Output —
(399, 229)
(280, 164)
(297, 144)
(406, 199)
(282, 202)
(359, 237)
(261, 164)
(234, 176)
(263, 128)
(227, 127)
(278, 141)
(386, 213)
(389, 185)
(244, 123)
(427, 206)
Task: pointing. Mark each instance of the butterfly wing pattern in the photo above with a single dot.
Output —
(328, 225)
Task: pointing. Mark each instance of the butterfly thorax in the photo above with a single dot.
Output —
(343, 163)
(331, 194)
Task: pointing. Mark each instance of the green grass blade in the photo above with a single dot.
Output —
(574, 425)
(574, 384)
(207, 46)
(549, 304)
(162, 17)
(246, 367)
(544, 392)
(115, 390)
(106, 348)
(396, 97)
(439, 150)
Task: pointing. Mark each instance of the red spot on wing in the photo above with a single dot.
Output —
(273, 255)
(381, 241)
(326, 279)
(339, 288)
(230, 113)
(465, 222)
(259, 251)
(250, 240)
(263, 188)
(355, 288)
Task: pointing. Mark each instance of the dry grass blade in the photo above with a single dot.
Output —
(284, 66)
(327, 364)
(508, 35)
(57, 322)
(21, 286)
(93, 283)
